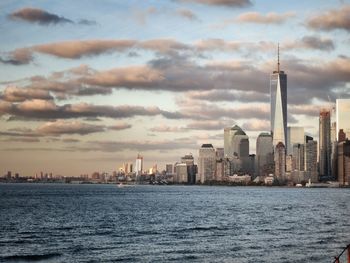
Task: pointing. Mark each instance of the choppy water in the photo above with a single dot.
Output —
(104, 223)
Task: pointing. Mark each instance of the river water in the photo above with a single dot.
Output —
(104, 223)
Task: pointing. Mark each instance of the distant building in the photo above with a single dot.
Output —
(191, 168)
(298, 157)
(342, 135)
(344, 162)
(206, 163)
(294, 135)
(310, 159)
(264, 154)
(325, 148)
(236, 144)
(280, 161)
(139, 165)
(343, 116)
(169, 168)
(278, 92)
(181, 173)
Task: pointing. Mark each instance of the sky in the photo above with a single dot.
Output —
(87, 85)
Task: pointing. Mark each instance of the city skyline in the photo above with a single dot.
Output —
(88, 91)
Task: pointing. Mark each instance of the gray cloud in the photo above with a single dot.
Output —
(331, 19)
(40, 109)
(225, 3)
(35, 15)
(69, 127)
(311, 42)
(15, 94)
(120, 126)
(186, 13)
(228, 95)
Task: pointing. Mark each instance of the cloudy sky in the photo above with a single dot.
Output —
(87, 85)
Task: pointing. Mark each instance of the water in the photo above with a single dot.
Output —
(104, 223)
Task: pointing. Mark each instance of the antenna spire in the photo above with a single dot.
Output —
(278, 57)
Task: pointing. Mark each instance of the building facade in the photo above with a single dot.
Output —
(294, 135)
(264, 154)
(310, 159)
(343, 116)
(280, 162)
(278, 103)
(325, 146)
(206, 163)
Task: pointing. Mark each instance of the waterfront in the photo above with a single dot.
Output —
(104, 223)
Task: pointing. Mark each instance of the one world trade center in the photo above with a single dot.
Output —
(278, 91)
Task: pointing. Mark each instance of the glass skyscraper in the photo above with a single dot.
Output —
(278, 92)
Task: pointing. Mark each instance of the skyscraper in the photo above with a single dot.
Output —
(343, 116)
(325, 146)
(206, 163)
(310, 160)
(280, 161)
(278, 92)
(344, 162)
(139, 165)
(236, 144)
(264, 154)
(294, 135)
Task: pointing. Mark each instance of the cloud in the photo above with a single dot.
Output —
(269, 18)
(87, 22)
(41, 109)
(21, 56)
(35, 15)
(331, 19)
(256, 125)
(186, 13)
(166, 128)
(225, 3)
(311, 42)
(228, 95)
(207, 125)
(120, 126)
(142, 15)
(15, 94)
(69, 127)
(79, 48)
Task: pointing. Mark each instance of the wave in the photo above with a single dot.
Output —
(32, 257)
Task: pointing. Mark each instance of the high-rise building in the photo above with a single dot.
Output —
(298, 157)
(169, 168)
(206, 163)
(236, 144)
(343, 116)
(191, 168)
(294, 135)
(325, 147)
(139, 165)
(280, 161)
(278, 92)
(344, 162)
(310, 158)
(264, 154)
(181, 173)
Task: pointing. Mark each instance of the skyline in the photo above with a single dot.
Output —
(89, 90)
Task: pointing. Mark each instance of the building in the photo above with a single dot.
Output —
(280, 162)
(341, 135)
(294, 135)
(220, 164)
(139, 165)
(325, 147)
(344, 162)
(310, 159)
(298, 157)
(169, 168)
(343, 116)
(236, 144)
(181, 173)
(264, 154)
(278, 93)
(206, 163)
(191, 168)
